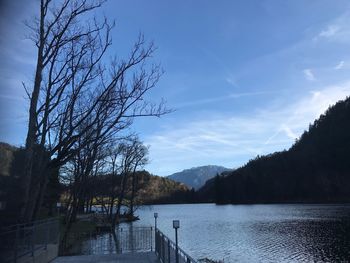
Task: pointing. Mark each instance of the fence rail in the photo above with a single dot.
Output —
(24, 239)
(124, 239)
(167, 251)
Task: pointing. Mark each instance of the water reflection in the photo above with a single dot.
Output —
(240, 233)
(102, 243)
(259, 233)
(126, 238)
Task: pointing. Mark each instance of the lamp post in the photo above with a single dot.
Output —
(176, 225)
(58, 208)
(155, 231)
(155, 220)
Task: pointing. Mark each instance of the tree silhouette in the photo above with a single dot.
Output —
(315, 169)
(76, 93)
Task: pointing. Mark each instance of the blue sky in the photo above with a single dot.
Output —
(245, 77)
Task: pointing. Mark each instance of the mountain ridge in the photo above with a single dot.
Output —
(196, 177)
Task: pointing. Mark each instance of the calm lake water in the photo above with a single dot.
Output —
(257, 233)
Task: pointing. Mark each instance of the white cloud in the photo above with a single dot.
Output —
(230, 141)
(11, 97)
(337, 31)
(232, 81)
(330, 31)
(340, 65)
(227, 97)
(289, 132)
(309, 75)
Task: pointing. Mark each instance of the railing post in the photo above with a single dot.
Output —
(57, 232)
(177, 247)
(47, 235)
(16, 244)
(152, 239)
(163, 248)
(33, 238)
(121, 237)
(157, 243)
(155, 229)
(176, 225)
(91, 245)
(168, 250)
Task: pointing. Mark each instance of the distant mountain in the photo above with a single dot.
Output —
(197, 176)
(315, 169)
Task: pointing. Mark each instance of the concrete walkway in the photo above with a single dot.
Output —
(145, 257)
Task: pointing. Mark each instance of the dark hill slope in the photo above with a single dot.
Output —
(315, 169)
(6, 156)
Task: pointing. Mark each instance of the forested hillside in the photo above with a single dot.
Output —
(315, 169)
(155, 189)
(150, 189)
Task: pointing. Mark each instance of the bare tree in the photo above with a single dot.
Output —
(119, 181)
(76, 93)
(141, 158)
(132, 155)
(83, 168)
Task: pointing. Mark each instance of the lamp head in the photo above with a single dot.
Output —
(176, 224)
(155, 215)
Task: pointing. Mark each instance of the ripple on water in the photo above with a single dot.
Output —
(258, 233)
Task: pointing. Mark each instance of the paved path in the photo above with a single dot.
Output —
(145, 257)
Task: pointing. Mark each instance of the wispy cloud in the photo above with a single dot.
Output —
(229, 96)
(309, 75)
(330, 31)
(289, 132)
(337, 30)
(340, 65)
(232, 81)
(254, 93)
(11, 97)
(228, 140)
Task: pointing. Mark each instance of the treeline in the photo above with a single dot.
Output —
(141, 188)
(11, 170)
(315, 169)
(108, 188)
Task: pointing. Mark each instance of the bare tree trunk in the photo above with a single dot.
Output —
(120, 200)
(31, 139)
(40, 192)
(38, 183)
(133, 190)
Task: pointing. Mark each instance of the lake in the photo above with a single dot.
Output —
(257, 233)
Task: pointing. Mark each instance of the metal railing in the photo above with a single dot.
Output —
(167, 251)
(125, 239)
(135, 239)
(24, 239)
